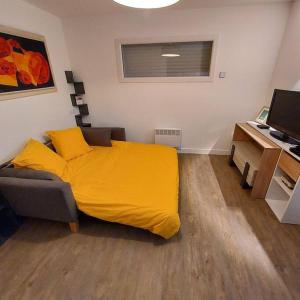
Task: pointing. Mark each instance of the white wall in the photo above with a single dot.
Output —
(23, 118)
(249, 41)
(287, 71)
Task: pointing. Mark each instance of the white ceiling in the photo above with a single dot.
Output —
(69, 8)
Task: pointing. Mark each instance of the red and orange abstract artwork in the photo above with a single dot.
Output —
(24, 64)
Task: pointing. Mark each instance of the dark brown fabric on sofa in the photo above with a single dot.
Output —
(94, 136)
(97, 136)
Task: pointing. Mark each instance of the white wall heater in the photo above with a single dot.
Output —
(168, 136)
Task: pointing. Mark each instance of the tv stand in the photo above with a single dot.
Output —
(283, 137)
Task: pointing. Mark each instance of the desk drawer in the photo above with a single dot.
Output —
(289, 165)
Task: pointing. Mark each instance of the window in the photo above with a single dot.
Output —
(167, 61)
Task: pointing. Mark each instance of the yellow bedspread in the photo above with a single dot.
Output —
(129, 183)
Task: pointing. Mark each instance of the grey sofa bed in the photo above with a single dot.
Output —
(40, 194)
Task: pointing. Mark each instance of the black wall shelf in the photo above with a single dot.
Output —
(83, 109)
(73, 99)
(79, 88)
(79, 91)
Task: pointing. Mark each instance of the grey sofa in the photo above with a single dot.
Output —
(40, 194)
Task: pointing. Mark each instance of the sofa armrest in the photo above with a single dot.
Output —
(97, 136)
(45, 199)
(27, 173)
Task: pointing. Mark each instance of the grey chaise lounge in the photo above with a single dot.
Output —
(40, 194)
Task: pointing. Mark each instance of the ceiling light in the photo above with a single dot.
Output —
(147, 3)
(170, 55)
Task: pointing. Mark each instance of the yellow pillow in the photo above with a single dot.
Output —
(69, 143)
(38, 156)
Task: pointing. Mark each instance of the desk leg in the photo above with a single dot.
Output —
(264, 176)
(230, 160)
(244, 183)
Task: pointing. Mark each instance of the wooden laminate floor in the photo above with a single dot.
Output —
(229, 247)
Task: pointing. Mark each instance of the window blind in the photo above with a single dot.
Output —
(180, 59)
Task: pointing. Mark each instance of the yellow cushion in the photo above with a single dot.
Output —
(38, 156)
(69, 143)
(129, 183)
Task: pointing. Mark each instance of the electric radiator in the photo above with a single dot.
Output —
(168, 136)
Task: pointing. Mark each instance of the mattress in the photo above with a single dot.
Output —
(129, 183)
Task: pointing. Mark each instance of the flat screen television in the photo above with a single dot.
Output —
(284, 116)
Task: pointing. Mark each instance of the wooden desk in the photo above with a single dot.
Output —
(270, 153)
(274, 162)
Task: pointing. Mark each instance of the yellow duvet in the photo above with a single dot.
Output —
(129, 183)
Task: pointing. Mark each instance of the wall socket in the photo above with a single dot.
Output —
(222, 75)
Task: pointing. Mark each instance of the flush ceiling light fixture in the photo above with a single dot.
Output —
(147, 3)
(170, 55)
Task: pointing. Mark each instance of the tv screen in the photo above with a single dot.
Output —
(284, 113)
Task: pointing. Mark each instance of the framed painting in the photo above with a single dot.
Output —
(25, 68)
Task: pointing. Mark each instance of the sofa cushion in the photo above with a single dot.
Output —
(98, 136)
(69, 143)
(38, 156)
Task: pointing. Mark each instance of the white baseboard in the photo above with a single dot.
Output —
(204, 151)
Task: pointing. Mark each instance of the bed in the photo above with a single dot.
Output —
(129, 183)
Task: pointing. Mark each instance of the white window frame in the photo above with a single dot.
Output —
(201, 38)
